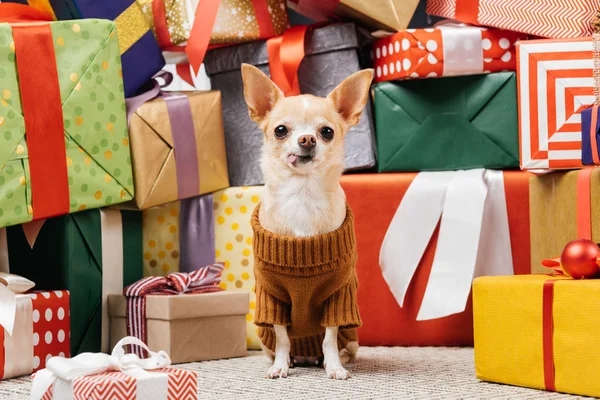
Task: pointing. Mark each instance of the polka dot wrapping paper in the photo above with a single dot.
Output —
(98, 163)
(42, 330)
(445, 51)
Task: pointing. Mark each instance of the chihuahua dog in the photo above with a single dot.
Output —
(302, 163)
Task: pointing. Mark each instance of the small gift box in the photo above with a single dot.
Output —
(33, 327)
(448, 123)
(421, 266)
(176, 153)
(179, 313)
(118, 376)
(387, 15)
(92, 254)
(140, 53)
(555, 84)
(444, 51)
(333, 48)
(74, 155)
(546, 18)
(546, 325)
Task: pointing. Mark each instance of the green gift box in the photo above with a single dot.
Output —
(447, 123)
(92, 254)
(64, 144)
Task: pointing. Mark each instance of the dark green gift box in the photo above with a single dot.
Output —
(447, 124)
(67, 254)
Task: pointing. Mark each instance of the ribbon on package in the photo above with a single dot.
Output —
(60, 375)
(286, 52)
(182, 129)
(42, 108)
(474, 237)
(459, 57)
(197, 236)
(203, 280)
(131, 25)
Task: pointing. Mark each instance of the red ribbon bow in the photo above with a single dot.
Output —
(203, 280)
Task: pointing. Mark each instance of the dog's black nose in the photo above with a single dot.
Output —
(307, 141)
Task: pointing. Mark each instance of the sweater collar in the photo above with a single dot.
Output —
(309, 251)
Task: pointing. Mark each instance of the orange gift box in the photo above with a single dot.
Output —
(444, 51)
(374, 200)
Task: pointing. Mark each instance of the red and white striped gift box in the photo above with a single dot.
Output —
(545, 18)
(159, 384)
(555, 82)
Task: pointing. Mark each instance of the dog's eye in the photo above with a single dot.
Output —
(281, 132)
(327, 133)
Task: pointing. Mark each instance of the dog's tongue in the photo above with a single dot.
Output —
(292, 158)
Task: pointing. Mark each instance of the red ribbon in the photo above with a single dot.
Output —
(203, 280)
(584, 204)
(467, 11)
(548, 334)
(42, 109)
(285, 55)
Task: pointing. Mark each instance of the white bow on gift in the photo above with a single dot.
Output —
(473, 240)
(62, 371)
(10, 286)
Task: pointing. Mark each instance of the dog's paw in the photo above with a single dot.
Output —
(337, 372)
(278, 370)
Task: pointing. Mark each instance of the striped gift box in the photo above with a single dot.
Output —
(555, 81)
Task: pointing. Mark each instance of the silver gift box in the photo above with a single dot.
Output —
(332, 53)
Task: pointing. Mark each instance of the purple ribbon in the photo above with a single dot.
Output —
(196, 233)
(182, 129)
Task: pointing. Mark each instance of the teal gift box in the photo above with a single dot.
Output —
(92, 254)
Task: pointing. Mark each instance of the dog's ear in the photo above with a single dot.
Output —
(260, 92)
(350, 97)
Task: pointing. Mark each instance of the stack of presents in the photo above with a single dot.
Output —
(140, 224)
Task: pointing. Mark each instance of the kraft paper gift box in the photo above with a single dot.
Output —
(236, 21)
(334, 49)
(41, 331)
(447, 50)
(538, 331)
(545, 18)
(140, 53)
(92, 254)
(555, 84)
(190, 327)
(177, 146)
(448, 123)
(76, 154)
(565, 205)
(391, 15)
(385, 323)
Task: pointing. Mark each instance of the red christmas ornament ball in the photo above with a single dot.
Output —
(579, 259)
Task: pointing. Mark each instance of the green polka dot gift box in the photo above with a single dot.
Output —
(64, 144)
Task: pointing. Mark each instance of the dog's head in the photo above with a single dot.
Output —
(305, 132)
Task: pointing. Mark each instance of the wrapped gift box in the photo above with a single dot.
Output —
(555, 84)
(387, 15)
(77, 156)
(140, 53)
(237, 21)
(545, 324)
(444, 51)
(546, 18)
(41, 331)
(385, 323)
(334, 49)
(92, 254)
(177, 153)
(561, 204)
(191, 327)
(447, 124)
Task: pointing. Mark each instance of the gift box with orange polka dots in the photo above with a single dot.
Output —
(444, 51)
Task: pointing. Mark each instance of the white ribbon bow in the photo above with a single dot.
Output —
(473, 240)
(65, 370)
(10, 286)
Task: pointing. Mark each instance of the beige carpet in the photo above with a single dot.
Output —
(379, 373)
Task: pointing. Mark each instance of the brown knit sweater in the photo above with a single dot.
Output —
(306, 284)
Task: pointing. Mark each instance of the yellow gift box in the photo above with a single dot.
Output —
(538, 331)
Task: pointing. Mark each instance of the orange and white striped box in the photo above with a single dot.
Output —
(447, 50)
(555, 83)
(546, 18)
